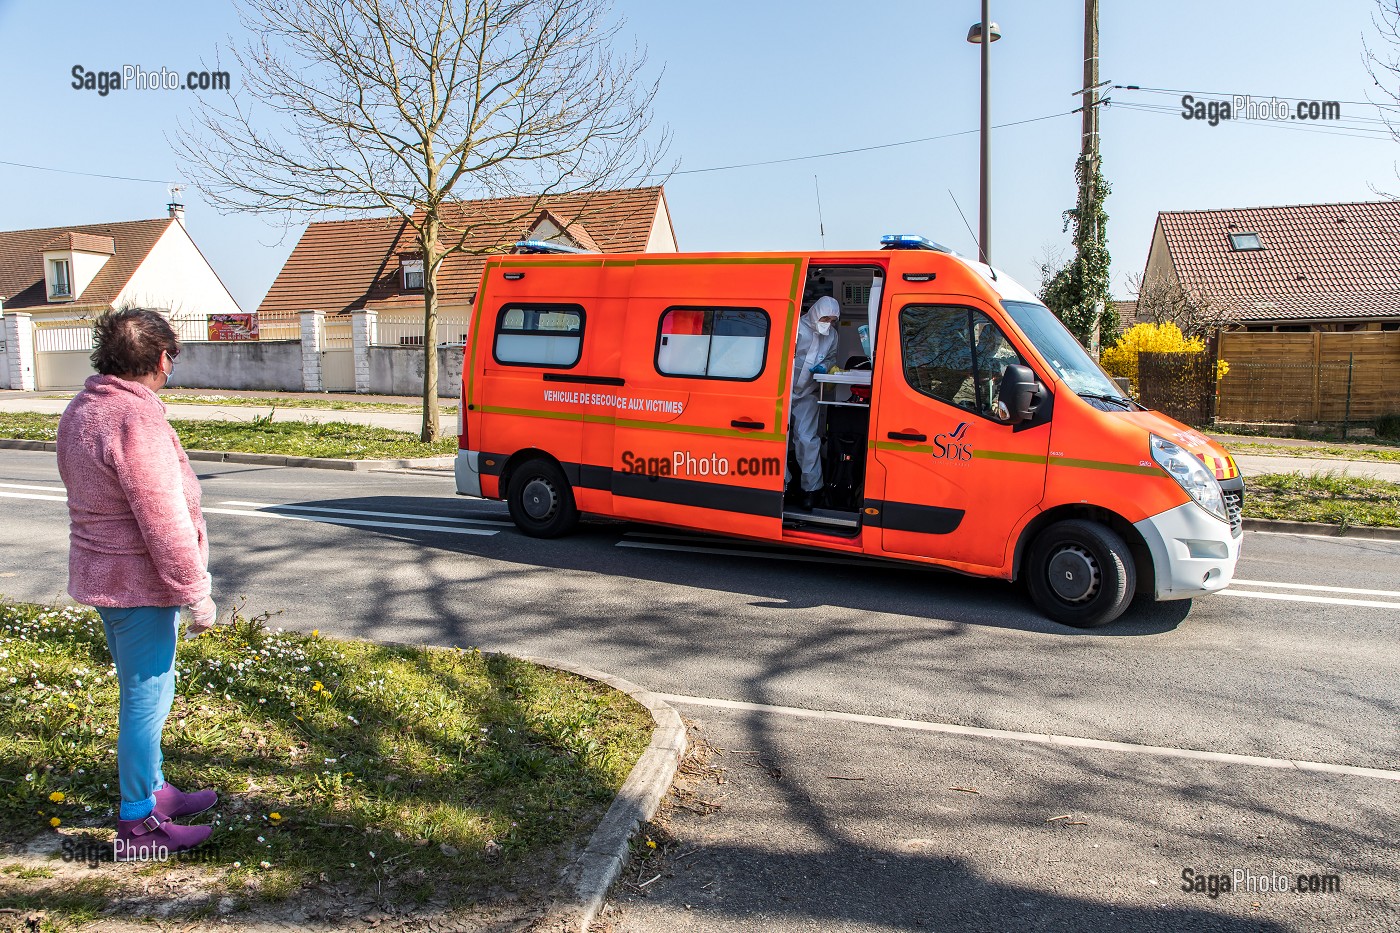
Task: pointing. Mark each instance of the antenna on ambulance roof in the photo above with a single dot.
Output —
(820, 226)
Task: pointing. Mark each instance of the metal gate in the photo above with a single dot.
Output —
(62, 354)
(338, 356)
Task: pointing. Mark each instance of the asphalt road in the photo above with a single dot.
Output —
(851, 821)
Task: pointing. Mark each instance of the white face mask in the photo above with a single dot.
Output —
(823, 327)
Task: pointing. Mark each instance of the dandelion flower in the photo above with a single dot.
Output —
(317, 687)
(274, 817)
(55, 822)
(315, 632)
(651, 844)
(56, 797)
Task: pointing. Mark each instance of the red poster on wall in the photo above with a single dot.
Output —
(233, 327)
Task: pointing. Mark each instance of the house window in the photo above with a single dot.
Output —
(712, 343)
(412, 274)
(61, 286)
(1244, 242)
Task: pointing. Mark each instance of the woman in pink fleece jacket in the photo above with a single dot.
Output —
(138, 552)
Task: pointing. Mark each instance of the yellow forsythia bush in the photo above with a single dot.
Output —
(1121, 359)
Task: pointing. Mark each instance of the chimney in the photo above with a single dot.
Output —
(176, 207)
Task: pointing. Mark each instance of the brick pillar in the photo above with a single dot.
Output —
(364, 333)
(19, 350)
(313, 328)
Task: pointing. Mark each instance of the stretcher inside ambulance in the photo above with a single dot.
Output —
(962, 427)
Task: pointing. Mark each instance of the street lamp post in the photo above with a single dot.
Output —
(985, 38)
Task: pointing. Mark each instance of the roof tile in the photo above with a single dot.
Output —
(22, 259)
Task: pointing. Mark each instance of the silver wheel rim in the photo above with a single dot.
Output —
(539, 499)
(1074, 574)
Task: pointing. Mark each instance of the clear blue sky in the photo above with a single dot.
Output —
(749, 81)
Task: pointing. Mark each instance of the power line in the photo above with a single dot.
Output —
(1169, 90)
(69, 171)
(825, 155)
(1357, 132)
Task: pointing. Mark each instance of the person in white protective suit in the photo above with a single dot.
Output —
(816, 353)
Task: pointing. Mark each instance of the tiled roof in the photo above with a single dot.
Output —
(22, 260)
(84, 242)
(344, 265)
(1318, 260)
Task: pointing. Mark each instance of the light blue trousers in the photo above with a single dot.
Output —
(142, 642)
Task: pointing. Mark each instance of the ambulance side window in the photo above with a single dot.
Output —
(539, 335)
(712, 343)
(956, 355)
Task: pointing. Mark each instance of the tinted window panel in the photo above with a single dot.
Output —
(712, 343)
(539, 335)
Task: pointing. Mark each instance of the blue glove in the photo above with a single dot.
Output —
(819, 368)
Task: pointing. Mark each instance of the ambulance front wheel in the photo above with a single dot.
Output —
(541, 501)
(1081, 573)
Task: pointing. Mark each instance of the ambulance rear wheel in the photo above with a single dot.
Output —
(541, 501)
(1081, 573)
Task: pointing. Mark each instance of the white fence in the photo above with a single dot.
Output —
(405, 329)
(199, 328)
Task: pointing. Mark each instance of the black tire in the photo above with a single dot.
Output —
(1081, 573)
(541, 500)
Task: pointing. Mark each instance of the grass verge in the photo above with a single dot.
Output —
(349, 772)
(331, 439)
(1323, 497)
(174, 397)
(1320, 451)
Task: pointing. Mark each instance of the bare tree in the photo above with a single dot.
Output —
(1167, 301)
(358, 107)
(1384, 66)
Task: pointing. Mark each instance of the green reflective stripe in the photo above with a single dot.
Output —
(626, 423)
(1105, 465)
(1008, 455)
(788, 341)
(902, 446)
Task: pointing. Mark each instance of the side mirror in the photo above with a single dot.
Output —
(1020, 395)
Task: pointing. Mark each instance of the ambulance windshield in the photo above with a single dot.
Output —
(1059, 348)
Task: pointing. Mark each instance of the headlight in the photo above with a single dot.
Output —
(1187, 469)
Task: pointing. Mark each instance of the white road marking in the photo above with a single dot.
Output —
(40, 488)
(30, 495)
(1320, 589)
(277, 506)
(354, 522)
(1043, 738)
(735, 552)
(1301, 598)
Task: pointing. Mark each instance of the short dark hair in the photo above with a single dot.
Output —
(130, 342)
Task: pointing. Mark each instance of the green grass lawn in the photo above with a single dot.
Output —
(405, 776)
(1323, 497)
(1321, 451)
(333, 439)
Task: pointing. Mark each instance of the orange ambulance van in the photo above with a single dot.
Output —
(965, 428)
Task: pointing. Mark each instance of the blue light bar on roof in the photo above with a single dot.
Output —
(911, 241)
(544, 246)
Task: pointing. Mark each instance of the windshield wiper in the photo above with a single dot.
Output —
(1127, 403)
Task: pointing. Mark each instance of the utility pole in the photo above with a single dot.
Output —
(1089, 142)
(985, 224)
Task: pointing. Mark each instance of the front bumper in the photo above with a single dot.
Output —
(1193, 552)
(467, 470)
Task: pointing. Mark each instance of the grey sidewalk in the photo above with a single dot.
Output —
(398, 421)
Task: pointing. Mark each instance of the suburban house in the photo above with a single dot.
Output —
(1301, 267)
(356, 286)
(54, 280)
(341, 266)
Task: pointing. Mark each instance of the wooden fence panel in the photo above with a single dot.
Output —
(1309, 377)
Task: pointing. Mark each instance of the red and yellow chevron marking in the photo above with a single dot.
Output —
(1224, 467)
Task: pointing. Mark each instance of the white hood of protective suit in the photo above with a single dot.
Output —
(825, 306)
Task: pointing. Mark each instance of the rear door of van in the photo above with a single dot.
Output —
(701, 428)
(549, 363)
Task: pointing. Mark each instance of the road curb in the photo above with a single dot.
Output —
(282, 460)
(595, 870)
(1319, 528)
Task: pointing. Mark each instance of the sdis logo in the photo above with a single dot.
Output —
(950, 446)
